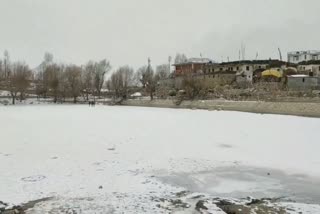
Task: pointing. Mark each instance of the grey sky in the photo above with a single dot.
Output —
(128, 31)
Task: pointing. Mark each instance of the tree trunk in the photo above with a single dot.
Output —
(21, 96)
(13, 100)
(151, 95)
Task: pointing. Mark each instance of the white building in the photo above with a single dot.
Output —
(300, 56)
(313, 68)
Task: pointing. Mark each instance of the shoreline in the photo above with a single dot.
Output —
(304, 109)
(288, 107)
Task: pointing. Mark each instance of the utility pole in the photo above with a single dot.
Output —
(149, 63)
(6, 64)
(169, 60)
(280, 54)
(243, 51)
(150, 83)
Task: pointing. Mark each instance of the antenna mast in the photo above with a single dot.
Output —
(280, 54)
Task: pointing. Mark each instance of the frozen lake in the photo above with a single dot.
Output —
(126, 156)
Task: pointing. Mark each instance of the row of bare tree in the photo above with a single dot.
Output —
(14, 77)
(51, 79)
(124, 78)
(61, 81)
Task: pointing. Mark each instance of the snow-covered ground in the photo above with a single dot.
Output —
(124, 159)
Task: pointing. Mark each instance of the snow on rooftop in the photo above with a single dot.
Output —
(136, 94)
(304, 52)
(197, 60)
(298, 75)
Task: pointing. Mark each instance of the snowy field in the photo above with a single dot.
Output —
(128, 159)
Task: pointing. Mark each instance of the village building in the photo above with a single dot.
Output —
(301, 56)
(246, 71)
(302, 82)
(191, 66)
(311, 68)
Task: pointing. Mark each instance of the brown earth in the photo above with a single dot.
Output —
(307, 109)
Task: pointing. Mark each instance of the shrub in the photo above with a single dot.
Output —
(172, 93)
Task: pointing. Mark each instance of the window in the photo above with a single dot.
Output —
(237, 68)
(259, 66)
(248, 68)
(212, 69)
(303, 79)
(305, 57)
(221, 69)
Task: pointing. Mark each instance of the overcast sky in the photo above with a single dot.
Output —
(129, 31)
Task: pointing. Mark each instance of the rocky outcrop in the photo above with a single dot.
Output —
(5, 208)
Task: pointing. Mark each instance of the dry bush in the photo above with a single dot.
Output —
(193, 87)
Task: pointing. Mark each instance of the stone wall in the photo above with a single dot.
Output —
(209, 81)
(303, 83)
(285, 108)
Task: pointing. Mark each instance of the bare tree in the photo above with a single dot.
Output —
(1, 70)
(42, 77)
(163, 71)
(52, 79)
(19, 80)
(41, 85)
(192, 86)
(148, 79)
(101, 69)
(64, 86)
(48, 58)
(73, 77)
(140, 77)
(180, 58)
(6, 64)
(121, 80)
(87, 79)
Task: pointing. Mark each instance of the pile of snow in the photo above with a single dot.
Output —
(4, 93)
(299, 75)
(137, 94)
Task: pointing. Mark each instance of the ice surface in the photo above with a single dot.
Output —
(114, 155)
